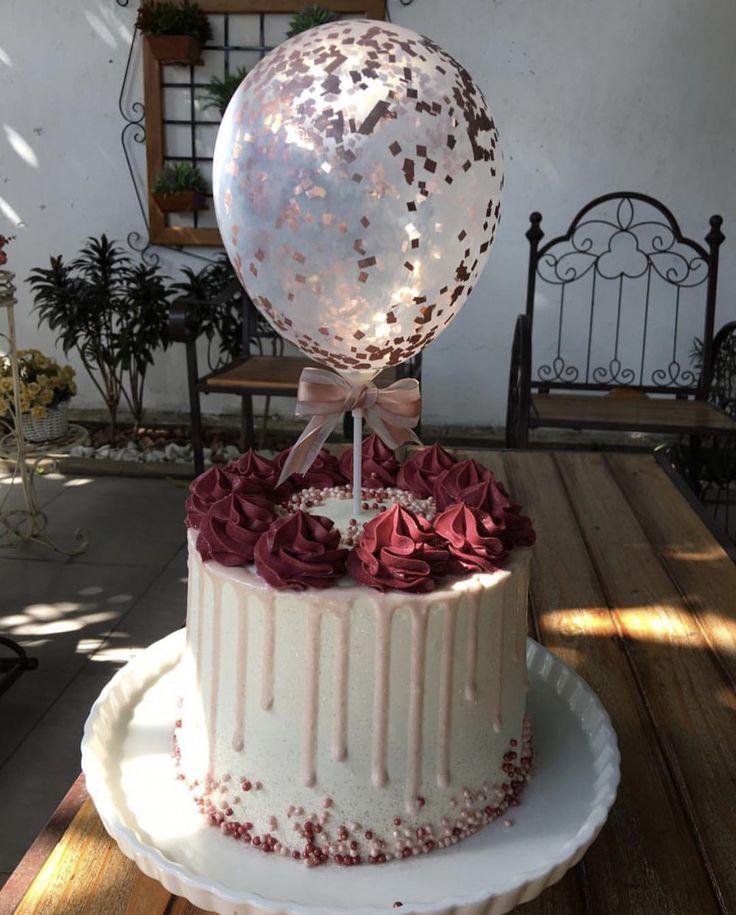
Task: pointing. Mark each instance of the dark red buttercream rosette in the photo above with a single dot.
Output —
(323, 473)
(491, 497)
(473, 538)
(211, 486)
(451, 483)
(380, 467)
(419, 473)
(300, 551)
(260, 472)
(231, 527)
(398, 550)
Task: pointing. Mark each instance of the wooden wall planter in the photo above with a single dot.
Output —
(184, 202)
(175, 49)
(178, 236)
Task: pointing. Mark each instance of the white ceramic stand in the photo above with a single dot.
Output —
(126, 756)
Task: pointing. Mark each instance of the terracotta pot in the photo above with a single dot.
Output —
(183, 202)
(176, 49)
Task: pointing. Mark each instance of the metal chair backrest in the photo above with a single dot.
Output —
(619, 298)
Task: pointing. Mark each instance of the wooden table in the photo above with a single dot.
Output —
(631, 589)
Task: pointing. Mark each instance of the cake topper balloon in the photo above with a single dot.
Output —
(357, 178)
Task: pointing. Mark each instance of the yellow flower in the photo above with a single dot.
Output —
(33, 388)
(46, 396)
(43, 380)
(72, 387)
(6, 385)
(4, 405)
(38, 412)
(25, 404)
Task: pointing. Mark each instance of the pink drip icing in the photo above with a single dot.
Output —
(311, 695)
(471, 651)
(215, 680)
(199, 639)
(269, 650)
(522, 586)
(417, 665)
(241, 672)
(498, 639)
(340, 683)
(382, 661)
(444, 721)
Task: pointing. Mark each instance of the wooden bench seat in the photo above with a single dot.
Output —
(270, 375)
(633, 413)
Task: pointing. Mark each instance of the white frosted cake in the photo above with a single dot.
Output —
(355, 687)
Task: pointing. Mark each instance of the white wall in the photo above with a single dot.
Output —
(590, 96)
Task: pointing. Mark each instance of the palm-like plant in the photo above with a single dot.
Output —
(218, 312)
(220, 91)
(310, 17)
(113, 314)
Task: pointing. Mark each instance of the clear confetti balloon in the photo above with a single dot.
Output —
(357, 178)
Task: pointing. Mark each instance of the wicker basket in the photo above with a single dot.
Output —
(53, 426)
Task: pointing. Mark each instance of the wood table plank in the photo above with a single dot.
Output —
(687, 696)
(86, 874)
(645, 859)
(700, 567)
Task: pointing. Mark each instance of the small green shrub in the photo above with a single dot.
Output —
(164, 17)
(310, 17)
(178, 177)
(220, 91)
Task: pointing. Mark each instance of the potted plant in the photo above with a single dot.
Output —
(220, 91)
(4, 240)
(114, 314)
(310, 17)
(179, 188)
(45, 391)
(175, 32)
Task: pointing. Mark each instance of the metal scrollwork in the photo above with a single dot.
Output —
(614, 373)
(134, 131)
(622, 247)
(29, 523)
(559, 370)
(674, 374)
(638, 241)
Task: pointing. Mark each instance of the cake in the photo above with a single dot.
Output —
(355, 688)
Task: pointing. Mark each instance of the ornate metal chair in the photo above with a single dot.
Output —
(260, 369)
(612, 308)
(13, 662)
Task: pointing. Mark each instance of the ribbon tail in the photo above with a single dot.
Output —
(392, 436)
(307, 446)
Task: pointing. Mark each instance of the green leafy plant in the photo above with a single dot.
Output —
(722, 392)
(178, 177)
(310, 17)
(217, 313)
(161, 17)
(114, 314)
(220, 91)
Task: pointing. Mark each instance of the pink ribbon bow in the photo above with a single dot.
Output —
(324, 396)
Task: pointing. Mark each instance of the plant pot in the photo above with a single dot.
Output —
(53, 426)
(183, 202)
(176, 49)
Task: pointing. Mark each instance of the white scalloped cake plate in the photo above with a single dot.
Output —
(126, 757)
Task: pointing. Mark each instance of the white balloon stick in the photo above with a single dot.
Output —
(357, 461)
